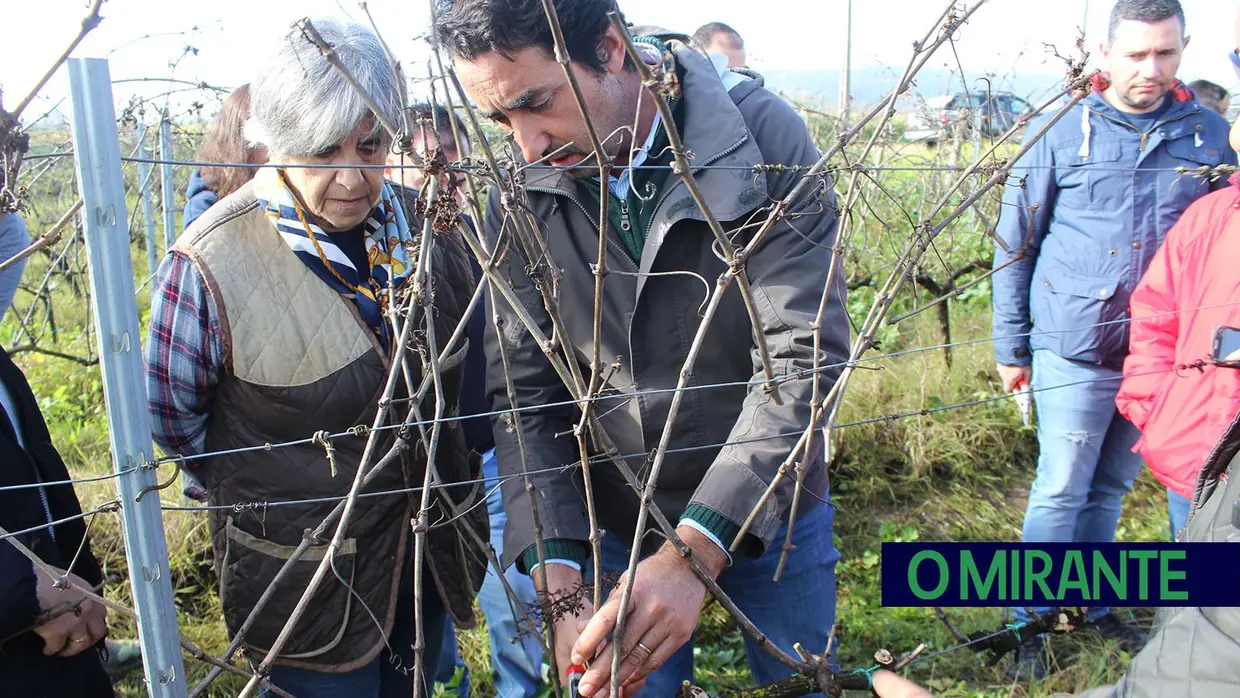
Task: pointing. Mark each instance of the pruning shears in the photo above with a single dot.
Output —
(572, 679)
(1024, 400)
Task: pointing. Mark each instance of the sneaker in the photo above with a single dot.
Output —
(1032, 661)
(1109, 627)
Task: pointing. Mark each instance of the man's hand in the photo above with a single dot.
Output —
(889, 685)
(80, 621)
(1013, 375)
(664, 608)
(558, 580)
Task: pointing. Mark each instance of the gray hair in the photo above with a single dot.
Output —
(1148, 11)
(302, 105)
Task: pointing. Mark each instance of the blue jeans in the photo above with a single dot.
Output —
(390, 675)
(798, 608)
(1177, 511)
(516, 658)
(1085, 459)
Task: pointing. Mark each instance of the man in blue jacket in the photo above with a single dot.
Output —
(13, 239)
(1084, 212)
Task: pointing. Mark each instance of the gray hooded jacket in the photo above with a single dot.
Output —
(651, 313)
(1195, 652)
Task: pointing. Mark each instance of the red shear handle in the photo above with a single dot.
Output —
(573, 678)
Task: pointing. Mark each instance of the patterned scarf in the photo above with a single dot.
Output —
(389, 249)
(1100, 82)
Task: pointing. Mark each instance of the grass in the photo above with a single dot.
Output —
(955, 475)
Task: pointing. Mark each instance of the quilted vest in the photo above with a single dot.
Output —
(297, 359)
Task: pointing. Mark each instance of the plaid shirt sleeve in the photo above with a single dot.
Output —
(183, 357)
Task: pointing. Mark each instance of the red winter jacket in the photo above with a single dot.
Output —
(1191, 288)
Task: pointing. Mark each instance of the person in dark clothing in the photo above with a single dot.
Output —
(42, 654)
(473, 395)
(660, 247)
(516, 657)
(717, 37)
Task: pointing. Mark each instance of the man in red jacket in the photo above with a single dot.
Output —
(1171, 392)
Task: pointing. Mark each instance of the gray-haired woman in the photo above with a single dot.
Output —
(270, 324)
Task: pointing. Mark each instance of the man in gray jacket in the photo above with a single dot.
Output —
(731, 434)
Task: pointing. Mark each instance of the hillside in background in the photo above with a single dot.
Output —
(817, 88)
(869, 85)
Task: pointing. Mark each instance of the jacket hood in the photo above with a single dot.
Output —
(1182, 98)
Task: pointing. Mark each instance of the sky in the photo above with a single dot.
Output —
(146, 40)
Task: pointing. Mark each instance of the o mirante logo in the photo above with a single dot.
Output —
(1060, 574)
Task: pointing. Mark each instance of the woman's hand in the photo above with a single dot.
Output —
(80, 623)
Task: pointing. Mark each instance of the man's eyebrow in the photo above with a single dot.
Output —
(524, 99)
(521, 101)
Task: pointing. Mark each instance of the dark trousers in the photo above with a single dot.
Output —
(26, 673)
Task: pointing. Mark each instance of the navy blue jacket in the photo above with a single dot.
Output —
(1094, 198)
(198, 198)
(477, 429)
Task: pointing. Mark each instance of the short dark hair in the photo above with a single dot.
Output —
(1148, 11)
(422, 115)
(706, 33)
(1209, 95)
(470, 28)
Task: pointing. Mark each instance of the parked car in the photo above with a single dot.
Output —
(959, 113)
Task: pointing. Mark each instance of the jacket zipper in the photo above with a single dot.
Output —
(679, 182)
(1215, 465)
(625, 225)
(624, 219)
(571, 197)
(624, 255)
